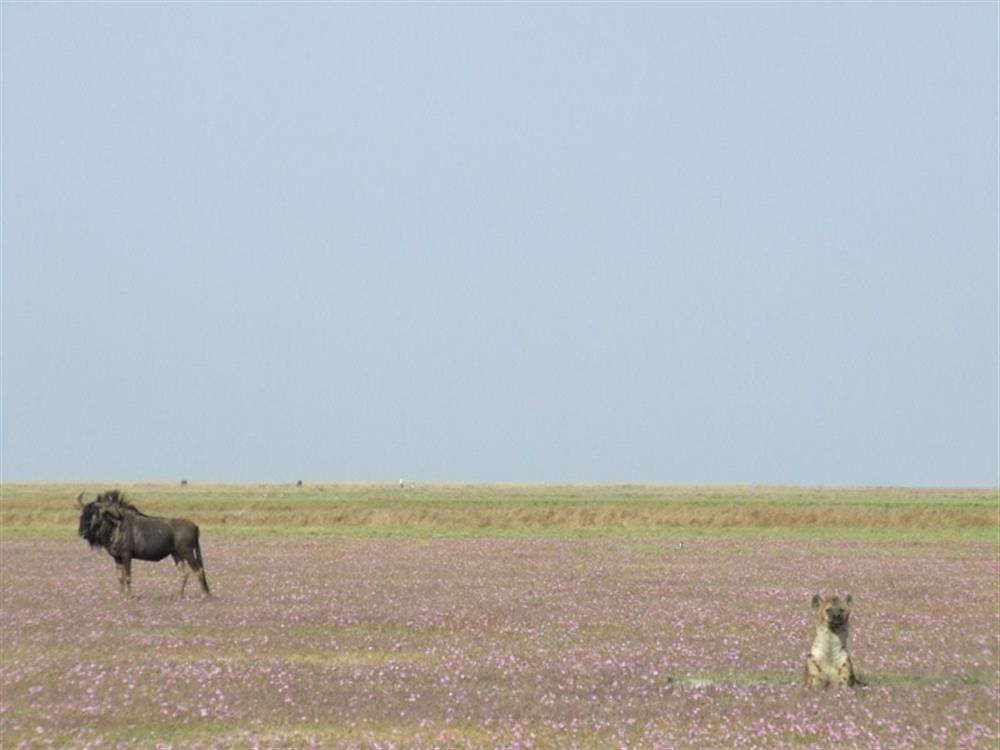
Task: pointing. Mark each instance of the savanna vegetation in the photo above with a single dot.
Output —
(504, 616)
(39, 509)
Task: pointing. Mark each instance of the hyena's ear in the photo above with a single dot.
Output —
(848, 599)
(815, 602)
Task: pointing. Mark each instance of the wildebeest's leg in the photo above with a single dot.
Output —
(128, 576)
(120, 569)
(184, 569)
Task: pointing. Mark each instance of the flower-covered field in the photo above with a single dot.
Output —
(490, 643)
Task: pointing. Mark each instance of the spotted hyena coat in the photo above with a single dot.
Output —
(828, 663)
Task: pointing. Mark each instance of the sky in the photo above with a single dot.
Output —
(677, 243)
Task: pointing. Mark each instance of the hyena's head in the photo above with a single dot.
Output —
(833, 612)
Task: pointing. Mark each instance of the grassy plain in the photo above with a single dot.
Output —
(504, 616)
(366, 509)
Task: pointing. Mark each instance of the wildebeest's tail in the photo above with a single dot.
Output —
(202, 578)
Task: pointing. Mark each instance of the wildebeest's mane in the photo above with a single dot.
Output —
(116, 498)
(95, 524)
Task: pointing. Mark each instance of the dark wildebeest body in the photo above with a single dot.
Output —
(129, 534)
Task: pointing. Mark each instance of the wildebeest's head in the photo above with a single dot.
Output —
(99, 518)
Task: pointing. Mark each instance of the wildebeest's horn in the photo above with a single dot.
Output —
(79, 500)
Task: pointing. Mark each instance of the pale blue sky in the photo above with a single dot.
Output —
(651, 242)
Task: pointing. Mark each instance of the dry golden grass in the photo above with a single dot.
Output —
(510, 507)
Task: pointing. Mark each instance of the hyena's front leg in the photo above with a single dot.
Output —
(815, 676)
(846, 675)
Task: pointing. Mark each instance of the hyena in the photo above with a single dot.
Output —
(828, 663)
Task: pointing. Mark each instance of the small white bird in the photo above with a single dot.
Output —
(400, 483)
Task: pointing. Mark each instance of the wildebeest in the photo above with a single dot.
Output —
(129, 534)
